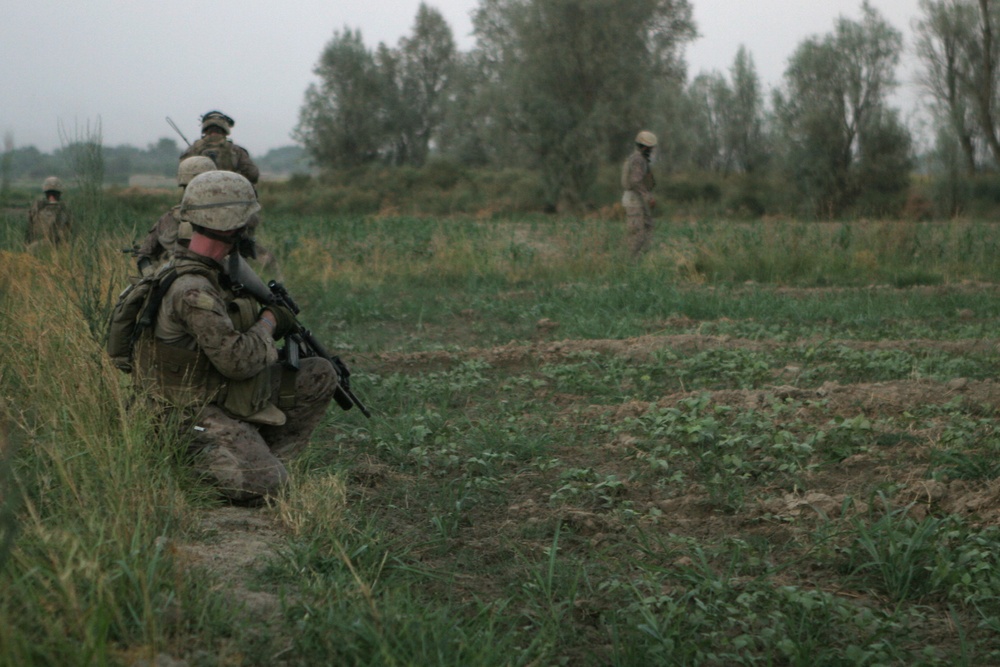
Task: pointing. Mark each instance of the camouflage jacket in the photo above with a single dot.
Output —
(226, 155)
(637, 180)
(196, 315)
(161, 240)
(50, 221)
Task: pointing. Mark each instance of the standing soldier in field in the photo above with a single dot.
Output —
(215, 144)
(227, 156)
(48, 218)
(209, 357)
(638, 201)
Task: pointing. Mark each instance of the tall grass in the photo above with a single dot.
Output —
(373, 250)
(92, 491)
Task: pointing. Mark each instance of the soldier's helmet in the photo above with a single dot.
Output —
(52, 184)
(191, 167)
(218, 119)
(219, 200)
(646, 138)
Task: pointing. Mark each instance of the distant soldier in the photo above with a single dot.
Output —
(215, 144)
(48, 218)
(638, 201)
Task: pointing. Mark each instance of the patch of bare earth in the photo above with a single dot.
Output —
(234, 545)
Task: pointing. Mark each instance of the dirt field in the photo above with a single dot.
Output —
(607, 519)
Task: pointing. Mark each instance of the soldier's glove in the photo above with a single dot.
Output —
(285, 322)
(652, 203)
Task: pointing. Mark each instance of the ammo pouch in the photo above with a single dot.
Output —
(219, 149)
(182, 378)
(186, 378)
(248, 399)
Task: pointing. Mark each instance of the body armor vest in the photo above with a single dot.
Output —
(186, 378)
(219, 149)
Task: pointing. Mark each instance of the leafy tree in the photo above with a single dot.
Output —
(342, 120)
(942, 37)
(427, 60)
(837, 131)
(573, 79)
(724, 122)
(957, 45)
(710, 98)
(743, 126)
(388, 104)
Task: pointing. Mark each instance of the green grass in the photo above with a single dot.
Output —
(574, 460)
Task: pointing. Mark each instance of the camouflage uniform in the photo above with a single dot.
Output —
(161, 240)
(226, 155)
(213, 362)
(638, 183)
(48, 221)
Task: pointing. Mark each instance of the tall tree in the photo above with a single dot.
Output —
(388, 104)
(709, 97)
(833, 113)
(943, 38)
(574, 77)
(428, 59)
(958, 45)
(744, 116)
(342, 120)
(724, 125)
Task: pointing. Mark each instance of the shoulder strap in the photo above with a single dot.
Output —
(152, 307)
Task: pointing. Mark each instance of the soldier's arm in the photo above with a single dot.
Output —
(245, 165)
(29, 234)
(236, 355)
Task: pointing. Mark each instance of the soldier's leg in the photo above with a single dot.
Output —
(234, 456)
(637, 232)
(311, 393)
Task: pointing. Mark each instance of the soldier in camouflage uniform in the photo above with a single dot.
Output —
(638, 201)
(48, 218)
(215, 144)
(168, 231)
(210, 356)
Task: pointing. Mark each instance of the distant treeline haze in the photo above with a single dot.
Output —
(560, 88)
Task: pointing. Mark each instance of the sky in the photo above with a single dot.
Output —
(128, 65)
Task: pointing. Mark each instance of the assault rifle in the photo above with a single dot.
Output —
(300, 343)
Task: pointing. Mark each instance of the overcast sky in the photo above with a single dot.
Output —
(131, 64)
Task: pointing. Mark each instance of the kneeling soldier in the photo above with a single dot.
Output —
(211, 358)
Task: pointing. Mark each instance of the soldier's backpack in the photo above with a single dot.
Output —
(134, 313)
(219, 149)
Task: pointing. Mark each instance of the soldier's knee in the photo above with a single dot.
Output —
(317, 379)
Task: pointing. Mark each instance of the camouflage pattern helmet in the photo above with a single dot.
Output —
(191, 167)
(646, 138)
(52, 184)
(219, 200)
(218, 119)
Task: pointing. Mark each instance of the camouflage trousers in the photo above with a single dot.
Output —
(640, 229)
(244, 460)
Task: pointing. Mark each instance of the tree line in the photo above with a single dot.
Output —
(27, 163)
(561, 87)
